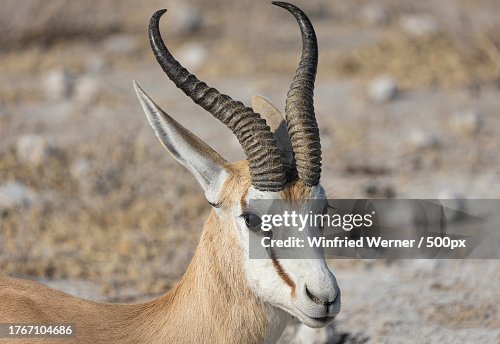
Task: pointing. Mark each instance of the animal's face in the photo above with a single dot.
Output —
(303, 287)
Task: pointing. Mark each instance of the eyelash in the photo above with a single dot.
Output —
(215, 205)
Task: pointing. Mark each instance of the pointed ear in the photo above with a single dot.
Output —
(276, 122)
(203, 162)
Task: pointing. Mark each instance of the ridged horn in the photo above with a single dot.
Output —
(299, 109)
(266, 169)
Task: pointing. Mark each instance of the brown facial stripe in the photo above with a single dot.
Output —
(282, 273)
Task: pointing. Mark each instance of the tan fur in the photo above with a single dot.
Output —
(240, 178)
(296, 191)
(211, 304)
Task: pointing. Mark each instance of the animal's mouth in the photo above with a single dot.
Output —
(314, 321)
(323, 319)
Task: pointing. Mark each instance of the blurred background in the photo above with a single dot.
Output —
(407, 99)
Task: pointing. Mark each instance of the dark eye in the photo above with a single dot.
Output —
(252, 221)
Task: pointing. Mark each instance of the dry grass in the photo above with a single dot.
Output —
(437, 60)
(123, 223)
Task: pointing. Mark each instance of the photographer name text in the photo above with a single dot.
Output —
(364, 242)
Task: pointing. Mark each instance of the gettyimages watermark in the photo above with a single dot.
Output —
(383, 229)
(295, 219)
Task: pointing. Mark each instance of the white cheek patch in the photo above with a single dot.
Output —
(268, 277)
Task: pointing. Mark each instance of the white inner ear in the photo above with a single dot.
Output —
(276, 122)
(201, 160)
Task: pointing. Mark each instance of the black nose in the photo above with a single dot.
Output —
(319, 301)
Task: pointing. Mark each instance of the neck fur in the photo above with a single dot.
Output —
(213, 302)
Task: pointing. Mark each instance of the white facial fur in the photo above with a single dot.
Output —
(264, 277)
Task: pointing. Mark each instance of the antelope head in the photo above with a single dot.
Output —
(283, 163)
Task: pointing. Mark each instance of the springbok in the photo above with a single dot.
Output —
(224, 296)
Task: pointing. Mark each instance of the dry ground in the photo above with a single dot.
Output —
(111, 216)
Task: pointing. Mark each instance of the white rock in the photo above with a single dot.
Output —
(121, 44)
(375, 14)
(419, 25)
(382, 89)
(193, 56)
(449, 194)
(426, 266)
(96, 65)
(57, 84)
(81, 288)
(419, 139)
(466, 122)
(14, 195)
(187, 19)
(87, 89)
(80, 169)
(34, 149)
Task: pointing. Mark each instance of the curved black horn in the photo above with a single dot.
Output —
(266, 168)
(299, 109)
